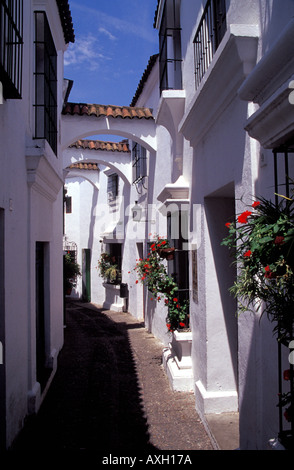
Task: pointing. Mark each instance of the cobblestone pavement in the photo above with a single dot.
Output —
(110, 392)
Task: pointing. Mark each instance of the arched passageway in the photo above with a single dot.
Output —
(81, 120)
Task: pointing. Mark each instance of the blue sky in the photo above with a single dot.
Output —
(114, 40)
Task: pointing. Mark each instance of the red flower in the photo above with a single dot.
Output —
(247, 254)
(163, 242)
(182, 324)
(279, 240)
(137, 282)
(288, 413)
(228, 224)
(242, 219)
(166, 301)
(178, 305)
(268, 273)
(256, 204)
(175, 299)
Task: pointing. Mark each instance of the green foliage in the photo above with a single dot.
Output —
(262, 242)
(71, 270)
(152, 271)
(107, 268)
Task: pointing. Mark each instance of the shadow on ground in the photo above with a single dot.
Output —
(94, 401)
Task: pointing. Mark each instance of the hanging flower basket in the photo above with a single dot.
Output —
(166, 253)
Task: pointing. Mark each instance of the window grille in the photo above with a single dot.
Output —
(45, 82)
(139, 162)
(209, 34)
(68, 204)
(112, 187)
(283, 178)
(170, 55)
(11, 47)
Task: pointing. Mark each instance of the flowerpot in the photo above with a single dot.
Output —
(182, 344)
(166, 253)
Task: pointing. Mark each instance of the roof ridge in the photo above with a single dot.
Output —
(107, 110)
(90, 144)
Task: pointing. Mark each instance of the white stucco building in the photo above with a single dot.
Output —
(211, 116)
(221, 113)
(31, 182)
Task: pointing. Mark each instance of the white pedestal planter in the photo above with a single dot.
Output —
(113, 301)
(177, 361)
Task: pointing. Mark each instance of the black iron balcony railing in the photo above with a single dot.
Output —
(209, 34)
(11, 47)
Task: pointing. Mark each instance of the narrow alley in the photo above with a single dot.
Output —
(110, 392)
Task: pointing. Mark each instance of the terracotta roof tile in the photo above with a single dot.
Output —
(98, 110)
(122, 146)
(84, 166)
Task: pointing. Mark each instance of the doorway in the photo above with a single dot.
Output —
(42, 311)
(86, 275)
(2, 338)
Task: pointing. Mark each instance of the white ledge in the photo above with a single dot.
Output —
(272, 124)
(175, 191)
(272, 70)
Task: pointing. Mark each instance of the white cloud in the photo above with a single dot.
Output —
(135, 26)
(107, 33)
(84, 53)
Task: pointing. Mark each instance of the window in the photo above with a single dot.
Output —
(45, 82)
(209, 34)
(11, 46)
(139, 162)
(178, 268)
(112, 187)
(68, 208)
(170, 56)
(114, 251)
(283, 170)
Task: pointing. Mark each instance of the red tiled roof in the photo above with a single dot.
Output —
(84, 166)
(122, 146)
(98, 110)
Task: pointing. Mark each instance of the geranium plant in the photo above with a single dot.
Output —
(262, 241)
(153, 273)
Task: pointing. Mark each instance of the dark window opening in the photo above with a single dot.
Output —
(11, 47)
(210, 32)
(68, 204)
(139, 162)
(45, 82)
(283, 182)
(114, 251)
(178, 268)
(170, 55)
(112, 187)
